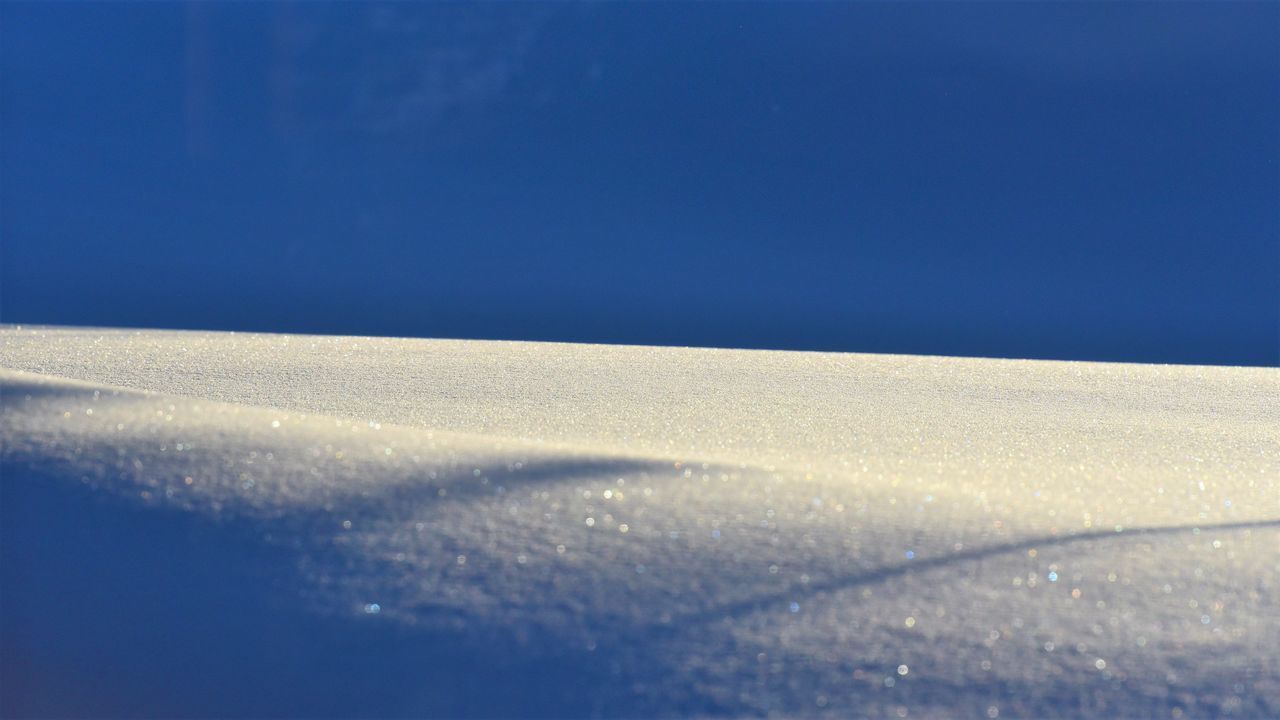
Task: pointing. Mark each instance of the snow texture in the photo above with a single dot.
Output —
(233, 524)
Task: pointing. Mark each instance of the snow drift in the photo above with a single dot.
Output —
(228, 524)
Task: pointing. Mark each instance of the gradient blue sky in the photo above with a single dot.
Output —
(1094, 181)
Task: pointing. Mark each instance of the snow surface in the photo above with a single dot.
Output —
(238, 524)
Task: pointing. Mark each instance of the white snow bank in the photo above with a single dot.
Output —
(293, 525)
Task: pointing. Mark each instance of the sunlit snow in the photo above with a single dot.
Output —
(223, 524)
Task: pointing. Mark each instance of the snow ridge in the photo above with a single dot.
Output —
(417, 569)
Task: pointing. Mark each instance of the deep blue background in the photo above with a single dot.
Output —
(1077, 181)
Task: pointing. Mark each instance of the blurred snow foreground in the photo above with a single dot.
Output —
(227, 524)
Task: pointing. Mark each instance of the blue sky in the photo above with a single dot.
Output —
(1092, 181)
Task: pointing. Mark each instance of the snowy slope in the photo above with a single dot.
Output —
(230, 524)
